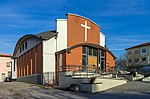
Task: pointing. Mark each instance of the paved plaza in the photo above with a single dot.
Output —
(20, 90)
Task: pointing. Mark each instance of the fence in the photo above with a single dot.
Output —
(49, 77)
(88, 68)
(43, 78)
(89, 71)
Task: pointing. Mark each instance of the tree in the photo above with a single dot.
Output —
(121, 62)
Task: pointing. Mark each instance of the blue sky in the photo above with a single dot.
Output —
(124, 22)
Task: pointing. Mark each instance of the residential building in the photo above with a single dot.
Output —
(139, 54)
(5, 66)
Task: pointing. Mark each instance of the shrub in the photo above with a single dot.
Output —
(133, 73)
(92, 80)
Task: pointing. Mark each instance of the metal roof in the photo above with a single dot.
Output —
(41, 36)
(47, 35)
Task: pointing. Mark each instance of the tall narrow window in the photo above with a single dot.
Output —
(102, 53)
(20, 49)
(84, 50)
(84, 58)
(26, 45)
(3, 76)
(23, 47)
(8, 64)
(94, 52)
(60, 62)
(14, 64)
(90, 51)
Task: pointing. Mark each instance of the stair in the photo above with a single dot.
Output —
(84, 75)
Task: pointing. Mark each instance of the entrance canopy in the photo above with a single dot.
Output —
(85, 44)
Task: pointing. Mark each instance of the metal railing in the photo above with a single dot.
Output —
(49, 78)
(72, 68)
(88, 71)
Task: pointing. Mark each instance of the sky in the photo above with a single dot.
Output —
(125, 23)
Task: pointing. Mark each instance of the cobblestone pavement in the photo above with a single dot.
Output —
(20, 90)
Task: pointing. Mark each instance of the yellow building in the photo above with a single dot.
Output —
(139, 54)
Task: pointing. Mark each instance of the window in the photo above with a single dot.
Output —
(94, 52)
(20, 49)
(60, 63)
(26, 45)
(3, 76)
(84, 50)
(137, 60)
(8, 64)
(129, 52)
(143, 59)
(136, 51)
(102, 53)
(9, 73)
(23, 47)
(144, 50)
(84, 60)
(84, 57)
(90, 51)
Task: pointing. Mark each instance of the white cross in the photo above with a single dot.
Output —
(85, 29)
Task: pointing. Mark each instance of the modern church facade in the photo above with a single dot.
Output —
(76, 45)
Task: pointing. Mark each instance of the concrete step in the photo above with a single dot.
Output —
(84, 75)
(147, 79)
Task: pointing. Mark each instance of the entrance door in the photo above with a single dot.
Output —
(102, 65)
(92, 59)
(89, 58)
(92, 62)
(101, 60)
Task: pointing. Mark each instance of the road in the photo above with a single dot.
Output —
(20, 90)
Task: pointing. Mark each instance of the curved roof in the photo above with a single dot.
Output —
(41, 36)
(87, 44)
(83, 17)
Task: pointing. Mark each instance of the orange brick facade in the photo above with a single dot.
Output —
(110, 61)
(76, 35)
(30, 62)
(75, 32)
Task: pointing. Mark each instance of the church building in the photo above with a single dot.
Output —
(76, 45)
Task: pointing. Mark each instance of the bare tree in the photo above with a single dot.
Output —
(123, 63)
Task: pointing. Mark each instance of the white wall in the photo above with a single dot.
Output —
(14, 72)
(50, 46)
(142, 54)
(61, 28)
(102, 39)
(49, 49)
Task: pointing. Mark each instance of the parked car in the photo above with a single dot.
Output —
(8, 79)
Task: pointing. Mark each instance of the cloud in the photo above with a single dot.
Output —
(118, 43)
(125, 7)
